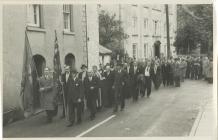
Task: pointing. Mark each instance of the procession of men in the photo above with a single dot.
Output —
(112, 84)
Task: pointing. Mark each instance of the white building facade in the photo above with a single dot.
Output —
(145, 25)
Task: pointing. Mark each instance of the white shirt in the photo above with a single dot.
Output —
(90, 78)
(135, 68)
(67, 76)
(147, 71)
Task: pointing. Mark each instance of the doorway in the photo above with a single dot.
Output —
(70, 60)
(157, 49)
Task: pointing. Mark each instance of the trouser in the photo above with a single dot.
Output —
(154, 79)
(148, 85)
(170, 80)
(196, 72)
(177, 81)
(51, 113)
(141, 88)
(98, 100)
(164, 79)
(91, 103)
(192, 73)
(74, 110)
(119, 99)
(108, 97)
(187, 74)
(135, 94)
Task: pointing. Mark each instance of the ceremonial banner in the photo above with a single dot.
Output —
(27, 80)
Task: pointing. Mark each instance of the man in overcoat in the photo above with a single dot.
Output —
(49, 94)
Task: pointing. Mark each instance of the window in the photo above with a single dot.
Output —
(33, 15)
(134, 49)
(146, 25)
(135, 22)
(157, 27)
(145, 49)
(67, 13)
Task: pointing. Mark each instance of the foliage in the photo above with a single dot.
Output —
(111, 34)
(195, 25)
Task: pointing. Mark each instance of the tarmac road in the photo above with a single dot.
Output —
(170, 111)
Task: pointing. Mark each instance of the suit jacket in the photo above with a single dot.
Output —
(119, 79)
(164, 69)
(133, 76)
(81, 76)
(109, 79)
(91, 93)
(73, 88)
(151, 71)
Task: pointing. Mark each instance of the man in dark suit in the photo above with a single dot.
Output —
(108, 77)
(133, 73)
(164, 72)
(82, 76)
(119, 83)
(74, 95)
(91, 83)
(148, 73)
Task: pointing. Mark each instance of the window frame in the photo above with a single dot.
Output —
(134, 49)
(69, 12)
(37, 18)
(145, 49)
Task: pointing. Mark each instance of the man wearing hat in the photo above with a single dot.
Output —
(83, 74)
(177, 72)
(119, 83)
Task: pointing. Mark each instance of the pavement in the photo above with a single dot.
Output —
(170, 111)
(204, 124)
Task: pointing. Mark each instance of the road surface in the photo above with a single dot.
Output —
(170, 111)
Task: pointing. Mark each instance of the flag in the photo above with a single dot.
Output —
(27, 79)
(57, 63)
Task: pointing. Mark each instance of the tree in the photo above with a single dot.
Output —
(111, 34)
(195, 26)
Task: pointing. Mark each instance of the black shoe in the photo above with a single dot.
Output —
(62, 117)
(121, 109)
(69, 125)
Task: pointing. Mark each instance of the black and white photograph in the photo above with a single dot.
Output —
(108, 70)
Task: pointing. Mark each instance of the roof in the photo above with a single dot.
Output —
(103, 50)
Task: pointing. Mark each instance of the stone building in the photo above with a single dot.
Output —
(145, 26)
(77, 33)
